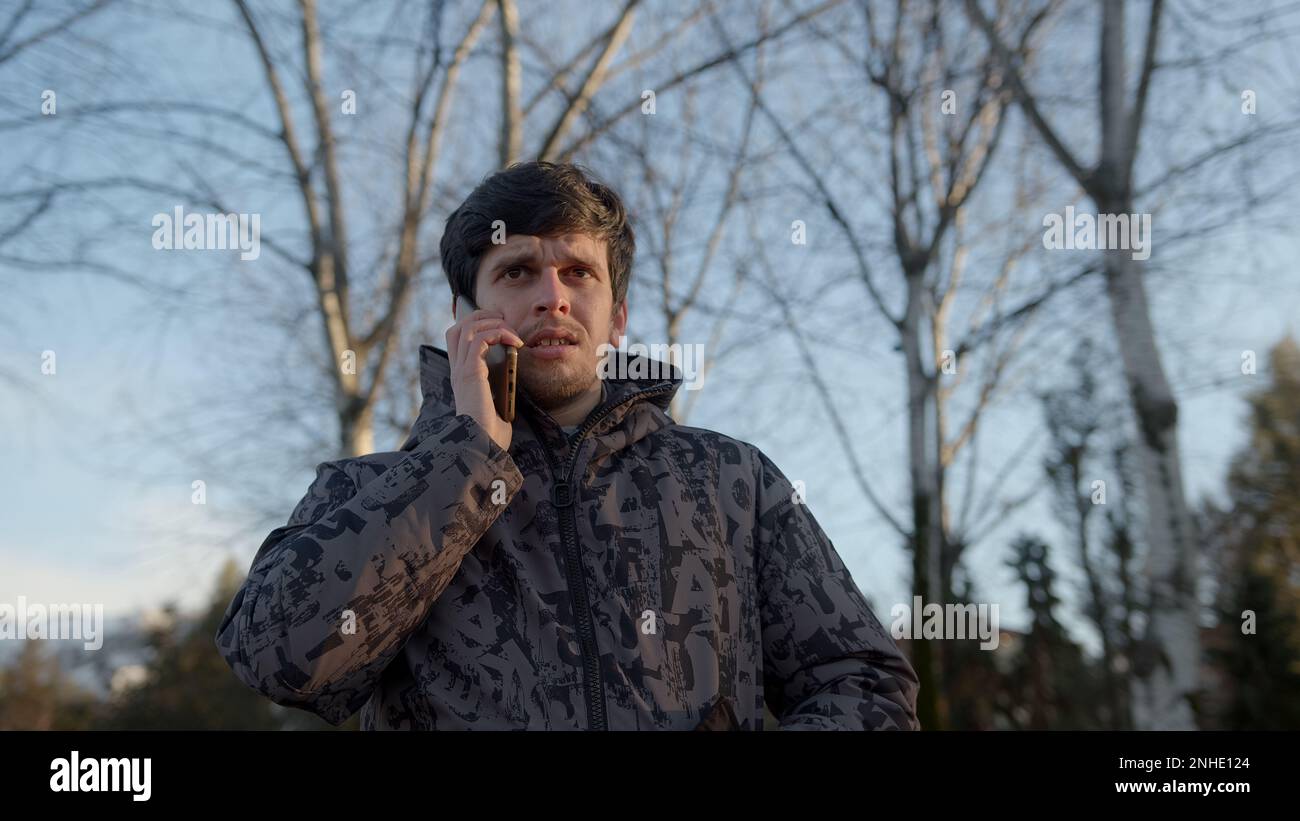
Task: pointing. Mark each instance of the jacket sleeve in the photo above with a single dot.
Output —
(333, 595)
(828, 663)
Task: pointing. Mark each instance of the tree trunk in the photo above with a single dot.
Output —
(1166, 663)
(925, 561)
(357, 429)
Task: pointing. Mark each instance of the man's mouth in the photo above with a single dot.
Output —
(552, 349)
(551, 335)
(552, 343)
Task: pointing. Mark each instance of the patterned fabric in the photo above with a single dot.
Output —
(638, 575)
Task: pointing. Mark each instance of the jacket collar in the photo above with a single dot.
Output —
(439, 401)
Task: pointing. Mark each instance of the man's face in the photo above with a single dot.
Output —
(553, 286)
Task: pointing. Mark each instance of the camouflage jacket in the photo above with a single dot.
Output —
(638, 574)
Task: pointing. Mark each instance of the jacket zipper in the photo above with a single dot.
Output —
(562, 497)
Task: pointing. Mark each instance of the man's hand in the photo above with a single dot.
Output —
(467, 346)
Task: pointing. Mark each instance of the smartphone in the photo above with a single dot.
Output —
(503, 374)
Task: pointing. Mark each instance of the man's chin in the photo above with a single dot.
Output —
(551, 384)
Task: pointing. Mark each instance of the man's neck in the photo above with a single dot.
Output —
(575, 411)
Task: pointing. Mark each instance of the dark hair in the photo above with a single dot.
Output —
(541, 199)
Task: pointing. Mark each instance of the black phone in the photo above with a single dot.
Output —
(503, 374)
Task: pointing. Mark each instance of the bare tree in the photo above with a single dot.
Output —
(27, 31)
(12, 43)
(356, 202)
(330, 263)
(1167, 665)
(917, 66)
(670, 235)
(1084, 443)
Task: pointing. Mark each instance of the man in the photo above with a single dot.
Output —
(593, 565)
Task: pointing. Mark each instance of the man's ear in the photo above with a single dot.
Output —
(618, 325)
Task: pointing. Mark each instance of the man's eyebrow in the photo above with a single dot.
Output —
(528, 256)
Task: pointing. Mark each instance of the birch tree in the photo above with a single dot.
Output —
(917, 64)
(1166, 681)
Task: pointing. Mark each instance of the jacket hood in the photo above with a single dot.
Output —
(439, 402)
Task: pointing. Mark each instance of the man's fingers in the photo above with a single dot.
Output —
(470, 337)
(479, 314)
(494, 331)
(503, 336)
(455, 331)
(473, 344)
(453, 341)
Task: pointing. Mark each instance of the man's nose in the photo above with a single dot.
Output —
(550, 295)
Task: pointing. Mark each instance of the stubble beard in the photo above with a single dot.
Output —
(553, 384)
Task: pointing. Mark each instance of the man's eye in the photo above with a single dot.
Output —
(586, 271)
(508, 271)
